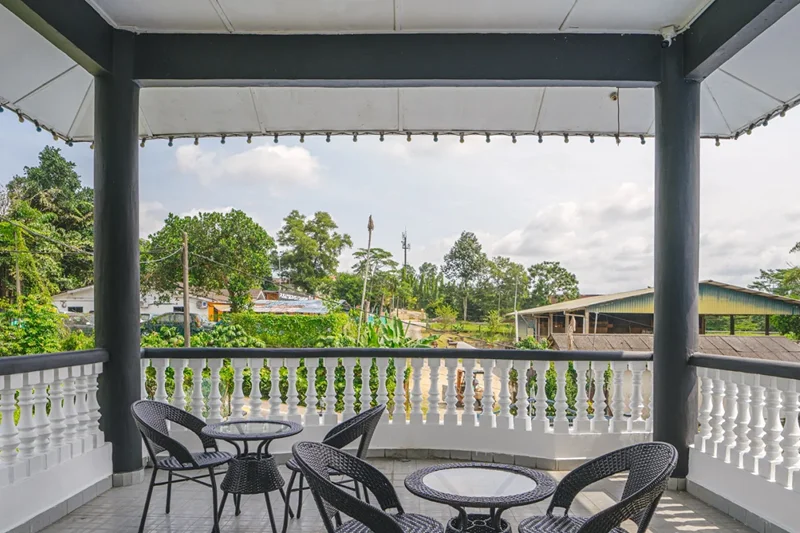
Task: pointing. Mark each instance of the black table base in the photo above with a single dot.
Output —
(252, 474)
(477, 523)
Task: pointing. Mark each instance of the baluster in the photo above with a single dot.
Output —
(179, 396)
(312, 412)
(522, 422)
(382, 397)
(599, 422)
(618, 422)
(581, 424)
(772, 438)
(197, 403)
(636, 421)
(58, 420)
(504, 420)
(95, 435)
(561, 422)
(786, 472)
(757, 424)
(434, 363)
(487, 417)
(9, 436)
(742, 420)
(292, 399)
(540, 421)
(71, 415)
(416, 390)
(399, 412)
(349, 388)
(25, 427)
(81, 408)
(731, 415)
(214, 397)
(237, 397)
(145, 363)
(161, 380)
(717, 412)
(331, 418)
(254, 401)
(704, 415)
(40, 419)
(649, 421)
(366, 394)
(451, 397)
(468, 417)
(275, 365)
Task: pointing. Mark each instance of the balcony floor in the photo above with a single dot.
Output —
(119, 510)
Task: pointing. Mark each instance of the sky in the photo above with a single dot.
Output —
(589, 206)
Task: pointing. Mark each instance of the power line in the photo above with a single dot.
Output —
(48, 238)
(161, 258)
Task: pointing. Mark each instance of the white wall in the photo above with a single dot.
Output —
(85, 298)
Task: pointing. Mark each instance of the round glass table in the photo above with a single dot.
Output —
(491, 486)
(252, 472)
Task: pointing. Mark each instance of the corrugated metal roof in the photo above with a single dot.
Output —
(716, 298)
(774, 348)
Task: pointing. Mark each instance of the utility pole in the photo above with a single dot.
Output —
(187, 329)
(406, 248)
(516, 315)
(18, 275)
(370, 227)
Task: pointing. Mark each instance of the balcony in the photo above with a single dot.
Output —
(56, 466)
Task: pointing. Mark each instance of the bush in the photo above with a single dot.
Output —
(289, 331)
(446, 314)
(30, 326)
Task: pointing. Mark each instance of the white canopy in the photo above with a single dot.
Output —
(43, 84)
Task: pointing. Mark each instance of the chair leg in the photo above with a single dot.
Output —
(147, 500)
(287, 508)
(358, 491)
(300, 496)
(269, 510)
(169, 489)
(222, 505)
(285, 497)
(366, 494)
(237, 500)
(214, 500)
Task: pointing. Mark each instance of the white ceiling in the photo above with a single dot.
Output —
(333, 16)
(44, 84)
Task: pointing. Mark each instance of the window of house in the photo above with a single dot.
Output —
(75, 309)
(178, 309)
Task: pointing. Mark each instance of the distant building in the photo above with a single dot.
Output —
(150, 304)
(632, 311)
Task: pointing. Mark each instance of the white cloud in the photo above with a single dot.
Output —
(151, 217)
(277, 167)
(196, 211)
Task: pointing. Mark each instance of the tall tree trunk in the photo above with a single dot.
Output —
(465, 304)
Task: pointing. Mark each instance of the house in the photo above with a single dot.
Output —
(633, 311)
(150, 304)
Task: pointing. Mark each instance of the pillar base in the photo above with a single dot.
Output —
(126, 479)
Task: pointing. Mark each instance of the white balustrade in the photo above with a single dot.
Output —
(786, 472)
(731, 415)
(330, 417)
(81, 408)
(468, 417)
(415, 417)
(70, 434)
(561, 421)
(433, 392)
(366, 394)
(237, 396)
(382, 395)
(599, 422)
(399, 411)
(214, 397)
(540, 420)
(636, 422)
(581, 424)
(742, 420)
(179, 396)
(25, 427)
(40, 420)
(161, 379)
(451, 396)
(349, 388)
(758, 422)
(648, 423)
(704, 415)
(522, 422)
(504, 419)
(292, 399)
(618, 421)
(773, 429)
(58, 419)
(275, 365)
(197, 404)
(254, 401)
(717, 412)
(312, 413)
(487, 417)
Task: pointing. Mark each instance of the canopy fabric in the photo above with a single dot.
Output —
(44, 85)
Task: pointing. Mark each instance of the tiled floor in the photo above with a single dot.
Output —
(119, 510)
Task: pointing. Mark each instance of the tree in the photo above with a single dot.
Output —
(346, 287)
(783, 282)
(508, 277)
(550, 281)
(226, 251)
(313, 249)
(465, 263)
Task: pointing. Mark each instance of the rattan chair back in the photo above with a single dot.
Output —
(151, 419)
(362, 426)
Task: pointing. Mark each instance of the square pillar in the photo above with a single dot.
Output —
(677, 251)
(116, 251)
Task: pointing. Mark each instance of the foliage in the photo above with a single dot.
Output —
(783, 282)
(226, 251)
(447, 315)
(77, 340)
(465, 263)
(346, 287)
(32, 326)
(289, 331)
(550, 281)
(389, 333)
(313, 249)
(530, 343)
(493, 321)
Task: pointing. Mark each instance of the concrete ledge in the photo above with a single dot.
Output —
(126, 479)
(541, 463)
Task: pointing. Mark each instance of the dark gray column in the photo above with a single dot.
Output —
(677, 250)
(116, 246)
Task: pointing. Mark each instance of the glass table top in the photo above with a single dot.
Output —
(252, 429)
(479, 482)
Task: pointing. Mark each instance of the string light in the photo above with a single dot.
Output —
(275, 139)
(750, 130)
(717, 141)
(2, 109)
(91, 146)
(381, 136)
(461, 137)
(69, 143)
(784, 110)
(566, 139)
(196, 141)
(541, 139)
(488, 138)
(355, 137)
(222, 140)
(514, 138)
(616, 137)
(327, 137)
(408, 137)
(21, 118)
(641, 138)
(170, 141)
(302, 137)
(736, 137)
(591, 138)
(436, 137)
(766, 122)
(55, 137)
(250, 138)
(38, 127)
(141, 144)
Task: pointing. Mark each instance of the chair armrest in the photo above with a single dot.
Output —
(638, 507)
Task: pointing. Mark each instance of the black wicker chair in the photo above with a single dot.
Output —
(317, 461)
(362, 426)
(649, 467)
(151, 419)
